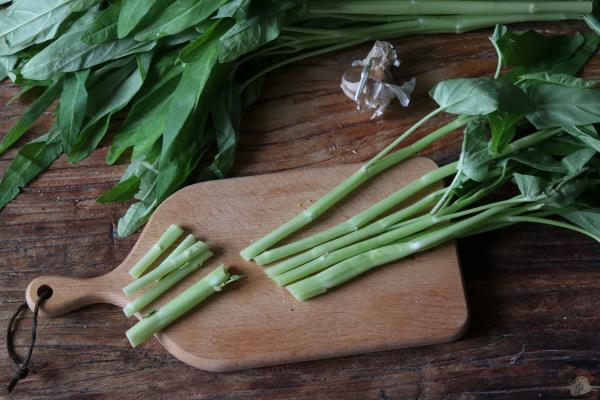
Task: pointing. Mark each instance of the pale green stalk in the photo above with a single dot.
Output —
(373, 229)
(190, 298)
(395, 234)
(432, 7)
(330, 199)
(163, 285)
(361, 219)
(168, 266)
(359, 264)
(163, 243)
(346, 227)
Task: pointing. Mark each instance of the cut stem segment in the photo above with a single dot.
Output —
(168, 266)
(163, 243)
(154, 322)
(163, 285)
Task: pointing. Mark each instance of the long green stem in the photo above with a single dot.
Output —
(162, 286)
(168, 266)
(432, 7)
(359, 264)
(343, 189)
(371, 230)
(154, 322)
(337, 252)
(164, 242)
(318, 243)
(359, 220)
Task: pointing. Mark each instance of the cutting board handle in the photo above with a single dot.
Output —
(69, 294)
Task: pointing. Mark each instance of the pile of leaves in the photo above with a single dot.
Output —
(196, 64)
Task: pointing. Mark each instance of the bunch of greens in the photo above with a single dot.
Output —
(195, 64)
(533, 127)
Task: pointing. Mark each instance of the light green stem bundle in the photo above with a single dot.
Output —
(190, 298)
(163, 285)
(367, 171)
(437, 7)
(164, 242)
(370, 230)
(168, 266)
(359, 264)
(362, 218)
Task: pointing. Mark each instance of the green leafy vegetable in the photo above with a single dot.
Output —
(550, 108)
(123, 191)
(30, 116)
(478, 96)
(72, 107)
(29, 162)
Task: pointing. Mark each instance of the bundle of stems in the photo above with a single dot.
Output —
(518, 128)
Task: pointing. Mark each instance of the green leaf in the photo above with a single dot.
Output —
(527, 48)
(531, 187)
(68, 53)
(7, 64)
(561, 145)
(145, 122)
(576, 161)
(187, 115)
(104, 28)
(503, 128)
(179, 16)
(28, 22)
(586, 219)
(71, 110)
(146, 169)
(474, 157)
(478, 96)
(538, 160)
(593, 23)
(238, 9)
(555, 106)
(586, 134)
(558, 79)
(569, 66)
(95, 129)
(29, 162)
(31, 115)
(226, 136)
(247, 36)
(123, 191)
(131, 14)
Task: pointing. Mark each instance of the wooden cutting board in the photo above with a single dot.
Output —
(254, 323)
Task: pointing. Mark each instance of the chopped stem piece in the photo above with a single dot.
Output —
(155, 321)
(163, 285)
(163, 243)
(168, 266)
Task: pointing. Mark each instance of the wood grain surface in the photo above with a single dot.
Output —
(533, 291)
(258, 324)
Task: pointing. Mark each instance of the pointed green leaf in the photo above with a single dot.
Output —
(123, 191)
(30, 161)
(179, 16)
(31, 115)
(71, 110)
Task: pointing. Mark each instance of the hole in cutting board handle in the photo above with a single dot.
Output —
(45, 288)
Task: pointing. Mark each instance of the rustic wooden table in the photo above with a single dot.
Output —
(533, 291)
